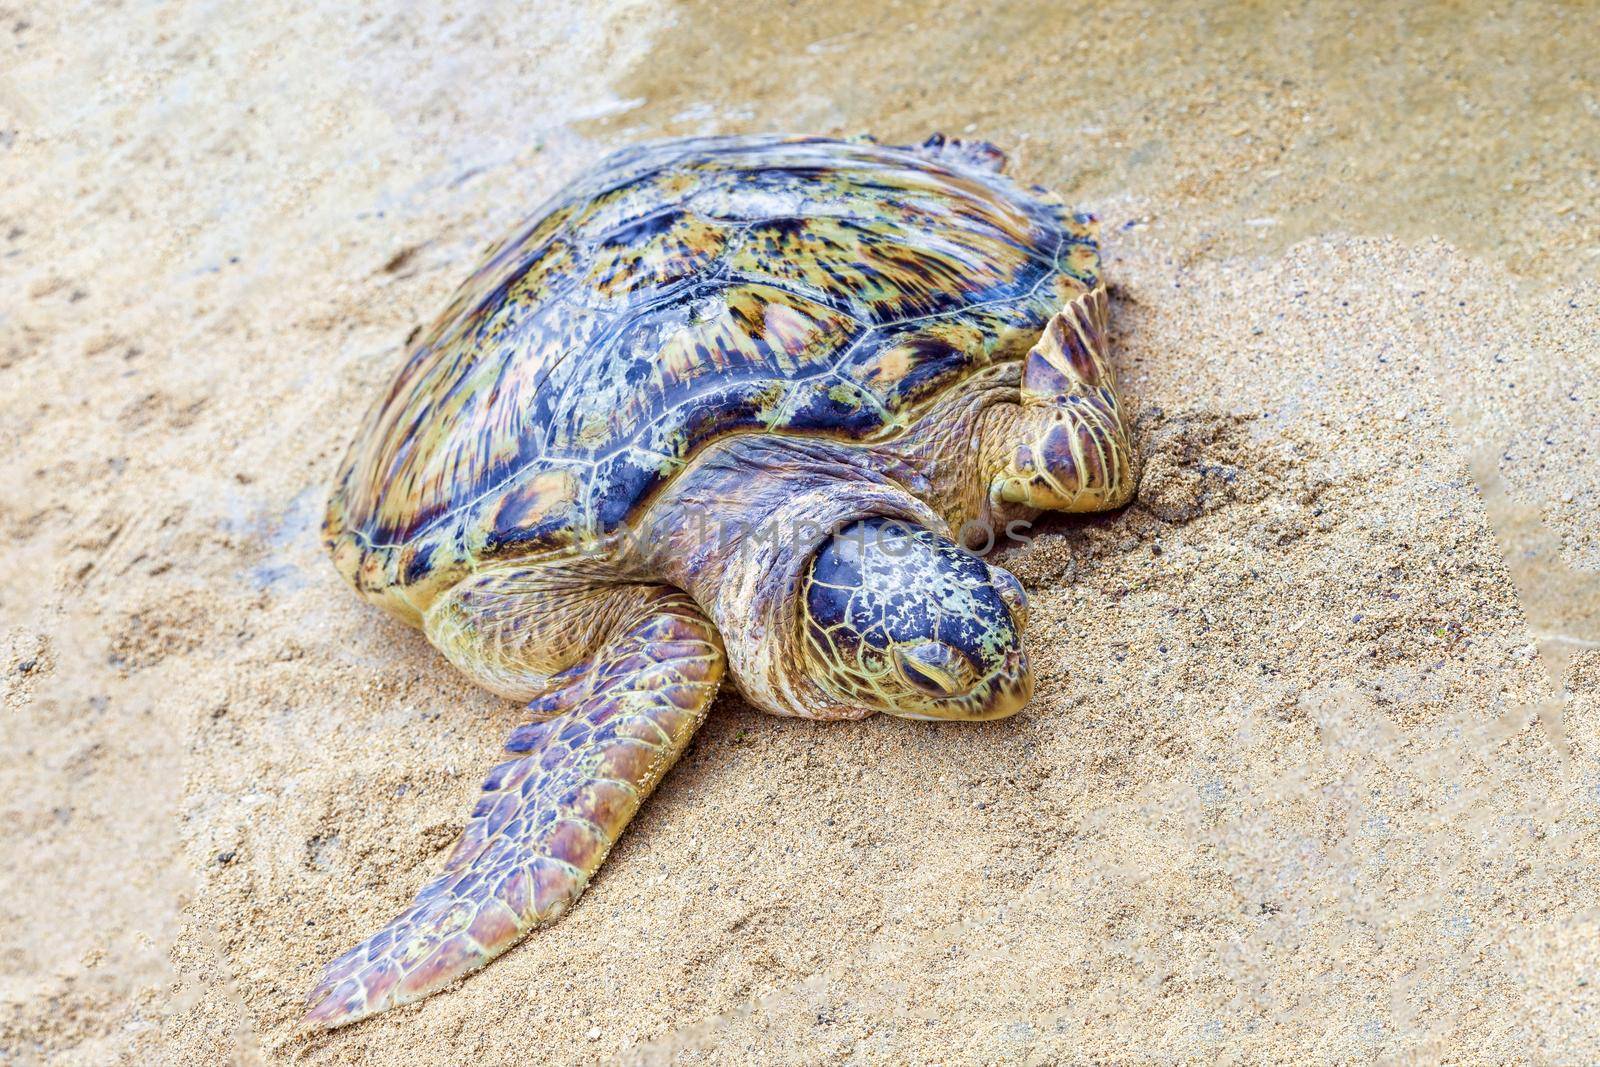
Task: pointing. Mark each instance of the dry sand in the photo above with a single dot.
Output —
(1314, 769)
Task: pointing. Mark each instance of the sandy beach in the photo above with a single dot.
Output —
(1313, 768)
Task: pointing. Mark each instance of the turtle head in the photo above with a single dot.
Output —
(898, 619)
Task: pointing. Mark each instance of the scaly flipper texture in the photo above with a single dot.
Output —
(1069, 450)
(546, 819)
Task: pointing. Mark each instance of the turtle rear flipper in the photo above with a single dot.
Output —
(547, 819)
(979, 154)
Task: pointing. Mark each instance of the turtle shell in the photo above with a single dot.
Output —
(680, 292)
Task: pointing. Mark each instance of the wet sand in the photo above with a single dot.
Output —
(1312, 768)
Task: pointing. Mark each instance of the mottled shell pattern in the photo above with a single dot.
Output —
(680, 292)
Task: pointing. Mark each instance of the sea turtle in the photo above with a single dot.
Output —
(724, 404)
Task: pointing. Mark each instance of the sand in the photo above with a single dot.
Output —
(1313, 771)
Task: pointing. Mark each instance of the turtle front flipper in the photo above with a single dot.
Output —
(546, 819)
(1067, 448)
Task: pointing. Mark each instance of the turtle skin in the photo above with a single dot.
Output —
(792, 331)
(681, 292)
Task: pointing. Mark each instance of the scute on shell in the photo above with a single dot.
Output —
(679, 292)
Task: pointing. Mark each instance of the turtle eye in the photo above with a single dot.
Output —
(934, 668)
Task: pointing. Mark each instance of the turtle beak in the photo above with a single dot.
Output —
(1011, 688)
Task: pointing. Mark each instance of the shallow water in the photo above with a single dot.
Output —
(1249, 125)
(1562, 603)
